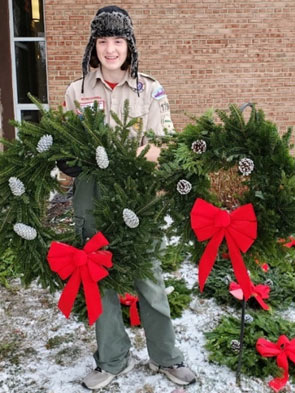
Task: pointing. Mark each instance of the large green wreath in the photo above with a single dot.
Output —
(126, 181)
(229, 163)
(250, 156)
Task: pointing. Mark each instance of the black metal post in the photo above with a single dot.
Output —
(238, 374)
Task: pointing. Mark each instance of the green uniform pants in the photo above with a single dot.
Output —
(113, 343)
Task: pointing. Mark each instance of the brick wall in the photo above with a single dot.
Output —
(206, 53)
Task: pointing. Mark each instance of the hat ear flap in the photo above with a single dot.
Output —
(87, 55)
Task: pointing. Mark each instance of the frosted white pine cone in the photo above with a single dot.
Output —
(44, 143)
(183, 187)
(235, 345)
(248, 319)
(199, 146)
(269, 282)
(169, 290)
(130, 218)
(101, 157)
(246, 166)
(25, 231)
(16, 186)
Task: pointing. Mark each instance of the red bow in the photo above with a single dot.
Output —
(283, 349)
(239, 229)
(291, 243)
(87, 265)
(130, 300)
(259, 291)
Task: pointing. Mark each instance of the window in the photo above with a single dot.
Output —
(28, 56)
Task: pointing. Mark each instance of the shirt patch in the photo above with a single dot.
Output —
(138, 125)
(89, 102)
(164, 107)
(140, 86)
(158, 93)
(167, 123)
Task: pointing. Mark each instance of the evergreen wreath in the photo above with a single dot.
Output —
(281, 283)
(126, 181)
(256, 162)
(222, 340)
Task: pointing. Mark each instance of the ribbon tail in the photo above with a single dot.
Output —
(208, 258)
(92, 297)
(68, 296)
(239, 267)
(134, 315)
(279, 383)
(262, 303)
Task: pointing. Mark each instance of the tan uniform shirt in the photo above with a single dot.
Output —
(150, 108)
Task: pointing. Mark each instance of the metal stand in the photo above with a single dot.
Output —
(238, 374)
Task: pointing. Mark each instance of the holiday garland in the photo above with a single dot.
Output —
(128, 213)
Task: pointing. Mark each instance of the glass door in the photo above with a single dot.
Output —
(28, 49)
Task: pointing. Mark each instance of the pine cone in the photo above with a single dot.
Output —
(25, 231)
(248, 319)
(246, 166)
(130, 218)
(45, 143)
(235, 345)
(227, 279)
(183, 187)
(16, 186)
(199, 146)
(101, 157)
(269, 282)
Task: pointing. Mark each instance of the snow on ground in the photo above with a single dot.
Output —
(43, 352)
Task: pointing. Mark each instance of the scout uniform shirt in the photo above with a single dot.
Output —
(148, 101)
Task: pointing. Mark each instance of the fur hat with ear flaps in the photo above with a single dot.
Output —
(111, 21)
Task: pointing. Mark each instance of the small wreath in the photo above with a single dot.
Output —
(231, 163)
(129, 212)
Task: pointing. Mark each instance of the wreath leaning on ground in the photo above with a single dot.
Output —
(129, 213)
(231, 163)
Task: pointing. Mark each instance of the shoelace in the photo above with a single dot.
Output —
(178, 365)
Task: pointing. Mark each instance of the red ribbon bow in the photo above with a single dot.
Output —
(259, 291)
(130, 300)
(282, 349)
(87, 265)
(239, 229)
(291, 243)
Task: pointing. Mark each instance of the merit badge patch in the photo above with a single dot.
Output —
(158, 93)
(137, 126)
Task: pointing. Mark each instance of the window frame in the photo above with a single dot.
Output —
(18, 108)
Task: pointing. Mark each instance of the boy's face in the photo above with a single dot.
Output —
(111, 52)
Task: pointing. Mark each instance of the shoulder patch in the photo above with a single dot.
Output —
(159, 93)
